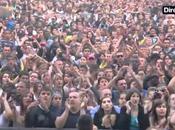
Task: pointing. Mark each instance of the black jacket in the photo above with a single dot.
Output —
(125, 119)
(99, 116)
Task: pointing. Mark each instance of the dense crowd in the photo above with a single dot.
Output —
(113, 60)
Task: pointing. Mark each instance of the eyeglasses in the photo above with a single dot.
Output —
(119, 56)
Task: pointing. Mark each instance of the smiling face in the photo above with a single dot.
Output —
(135, 99)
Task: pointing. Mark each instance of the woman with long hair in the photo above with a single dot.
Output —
(26, 103)
(106, 117)
(132, 116)
(159, 114)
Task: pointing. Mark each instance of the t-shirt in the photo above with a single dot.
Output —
(72, 120)
(37, 117)
(134, 125)
(4, 122)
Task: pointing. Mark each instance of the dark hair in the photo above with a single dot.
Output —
(85, 122)
(131, 92)
(101, 79)
(157, 103)
(45, 88)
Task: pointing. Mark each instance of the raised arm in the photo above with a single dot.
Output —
(61, 120)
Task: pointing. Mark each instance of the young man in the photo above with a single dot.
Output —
(44, 114)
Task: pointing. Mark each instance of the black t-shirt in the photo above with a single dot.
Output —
(72, 120)
(37, 117)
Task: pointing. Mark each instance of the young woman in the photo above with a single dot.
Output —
(159, 115)
(106, 117)
(22, 109)
(132, 115)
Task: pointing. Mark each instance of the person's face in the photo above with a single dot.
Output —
(100, 74)
(54, 31)
(161, 110)
(46, 78)
(27, 99)
(172, 101)
(33, 77)
(103, 84)
(122, 86)
(106, 104)
(59, 64)
(142, 61)
(108, 57)
(24, 78)
(83, 61)
(83, 71)
(74, 99)
(102, 57)
(5, 78)
(6, 50)
(122, 100)
(67, 78)
(168, 61)
(86, 52)
(106, 93)
(89, 35)
(166, 43)
(109, 73)
(45, 97)
(67, 68)
(148, 69)
(119, 56)
(135, 99)
(56, 101)
(153, 32)
(151, 94)
(21, 88)
(58, 81)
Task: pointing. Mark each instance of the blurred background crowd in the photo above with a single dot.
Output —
(111, 59)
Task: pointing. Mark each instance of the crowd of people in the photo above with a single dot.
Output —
(87, 64)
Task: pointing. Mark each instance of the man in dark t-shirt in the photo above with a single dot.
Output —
(44, 114)
(73, 109)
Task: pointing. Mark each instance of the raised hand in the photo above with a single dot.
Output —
(67, 106)
(128, 107)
